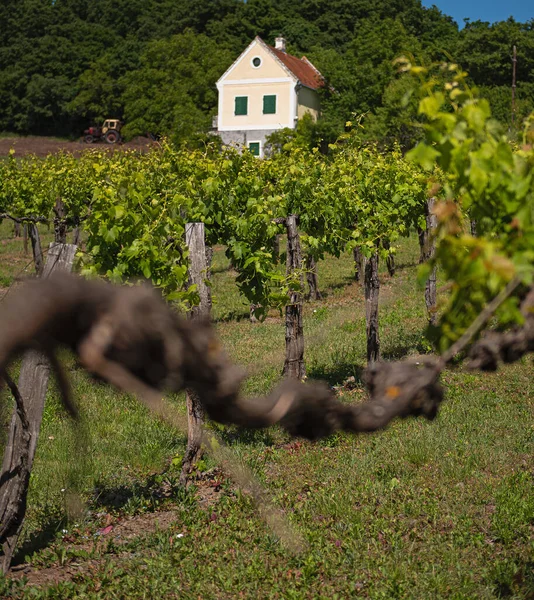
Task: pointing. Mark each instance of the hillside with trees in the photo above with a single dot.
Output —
(67, 63)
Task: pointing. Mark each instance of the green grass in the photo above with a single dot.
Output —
(14, 262)
(422, 510)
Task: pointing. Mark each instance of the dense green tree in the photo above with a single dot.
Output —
(396, 120)
(358, 78)
(66, 63)
(485, 51)
(173, 91)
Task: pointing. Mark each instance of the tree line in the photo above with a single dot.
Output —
(67, 63)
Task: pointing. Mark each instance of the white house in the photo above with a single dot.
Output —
(263, 91)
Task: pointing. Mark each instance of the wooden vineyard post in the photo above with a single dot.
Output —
(208, 276)
(294, 363)
(421, 234)
(251, 313)
(36, 249)
(311, 278)
(25, 238)
(359, 263)
(372, 289)
(276, 249)
(23, 432)
(426, 242)
(76, 234)
(429, 250)
(390, 260)
(514, 69)
(60, 226)
(198, 273)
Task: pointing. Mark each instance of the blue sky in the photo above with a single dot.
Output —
(485, 10)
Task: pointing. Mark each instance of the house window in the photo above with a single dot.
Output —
(269, 105)
(256, 62)
(241, 105)
(254, 147)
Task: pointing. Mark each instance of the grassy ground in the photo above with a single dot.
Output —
(423, 510)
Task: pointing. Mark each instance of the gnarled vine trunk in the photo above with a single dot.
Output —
(390, 260)
(60, 225)
(199, 272)
(428, 253)
(311, 278)
(37, 251)
(294, 363)
(372, 289)
(25, 238)
(24, 429)
(359, 266)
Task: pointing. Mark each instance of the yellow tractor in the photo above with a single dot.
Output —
(109, 132)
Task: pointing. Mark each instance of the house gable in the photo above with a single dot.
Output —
(259, 81)
(244, 70)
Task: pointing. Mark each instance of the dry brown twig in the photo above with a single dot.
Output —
(508, 346)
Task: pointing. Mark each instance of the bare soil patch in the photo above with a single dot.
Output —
(43, 146)
(117, 531)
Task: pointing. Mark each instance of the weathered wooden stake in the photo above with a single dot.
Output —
(276, 249)
(311, 278)
(25, 238)
(372, 289)
(421, 234)
(390, 260)
(16, 229)
(60, 226)
(428, 253)
(198, 273)
(358, 263)
(35, 239)
(209, 275)
(514, 67)
(23, 433)
(294, 363)
(252, 317)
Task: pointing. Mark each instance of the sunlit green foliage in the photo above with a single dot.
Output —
(487, 181)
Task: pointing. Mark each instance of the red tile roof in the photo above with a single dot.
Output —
(302, 68)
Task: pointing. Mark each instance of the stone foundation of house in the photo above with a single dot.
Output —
(244, 138)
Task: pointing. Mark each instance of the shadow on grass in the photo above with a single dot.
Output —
(221, 269)
(509, 583)
(143, 496)
(232, 315)
(406, 265)
(337, 374)
(246, 437)
(413, 343)
(38, 540)
(345, 282)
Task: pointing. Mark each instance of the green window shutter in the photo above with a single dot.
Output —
(269, 105)
(241, 105)
(254, 147)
